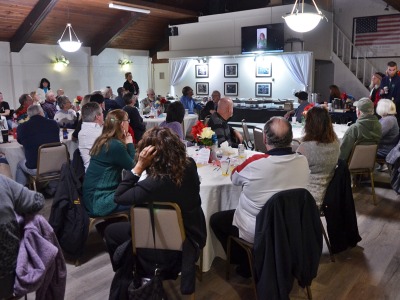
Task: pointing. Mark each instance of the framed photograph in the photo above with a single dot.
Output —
(201, 88)
(263, 89)
(230, 70)
(231, 88)
(372, 37)
(263, 69)
(201, 71)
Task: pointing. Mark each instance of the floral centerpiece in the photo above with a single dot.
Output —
(304, 114)
(159, 105)
(202, 134)
(78, 100)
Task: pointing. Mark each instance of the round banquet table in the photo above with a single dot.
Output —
(188, 122)
(217, 194)
(14, 151)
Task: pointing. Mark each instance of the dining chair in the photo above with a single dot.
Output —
(169, 229)
(259, 140)
(246, 136)
(328, 243)
(51, 157)
(295, 144)
(362, 161)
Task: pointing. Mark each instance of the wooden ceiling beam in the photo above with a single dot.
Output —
(106, 36)
(31, 23)
(157, 8)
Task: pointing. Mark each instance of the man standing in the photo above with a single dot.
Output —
(261, 176)
(49, 105)
(31, 135)
(366, 129)
(219, 124)
(390, 86)
(92, 126)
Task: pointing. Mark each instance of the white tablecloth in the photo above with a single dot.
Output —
(217, 194)
(188, 122)
(14, 151)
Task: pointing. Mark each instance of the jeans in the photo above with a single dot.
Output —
(22, 173)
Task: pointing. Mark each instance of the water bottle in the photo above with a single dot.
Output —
(65, 133)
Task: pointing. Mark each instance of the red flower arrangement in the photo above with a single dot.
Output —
(78, 99)
(307, 108)
(163, 100)
(197, 130)
(344, 96)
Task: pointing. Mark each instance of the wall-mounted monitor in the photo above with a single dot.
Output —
(263, 38)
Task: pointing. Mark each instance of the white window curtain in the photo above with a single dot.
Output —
(178, 68)
(300, 65)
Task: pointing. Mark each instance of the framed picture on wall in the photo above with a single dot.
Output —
(263, 69)
(263, 89)
(201, 71)
(201, 88)
(231, 88)
(231, 70)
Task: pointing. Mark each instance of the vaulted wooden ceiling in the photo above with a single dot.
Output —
(99, 27)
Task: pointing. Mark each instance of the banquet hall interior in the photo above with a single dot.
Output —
(170, 44)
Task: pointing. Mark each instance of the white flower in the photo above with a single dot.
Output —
(206, 133)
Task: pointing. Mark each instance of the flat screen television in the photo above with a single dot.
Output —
(263, 38)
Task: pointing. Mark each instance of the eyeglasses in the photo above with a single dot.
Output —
(127, 120)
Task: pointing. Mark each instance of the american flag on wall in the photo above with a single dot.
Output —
(377, 36)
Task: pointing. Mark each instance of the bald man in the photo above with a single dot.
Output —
(219, 124)
(261, 176)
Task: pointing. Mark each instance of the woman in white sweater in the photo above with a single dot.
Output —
(321, 147)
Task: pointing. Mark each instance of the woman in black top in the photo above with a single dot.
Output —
(130, 85)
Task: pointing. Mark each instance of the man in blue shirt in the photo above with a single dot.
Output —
(187, 100)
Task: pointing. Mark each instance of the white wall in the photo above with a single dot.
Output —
(161, 86)
(21, 72)
(282, 81)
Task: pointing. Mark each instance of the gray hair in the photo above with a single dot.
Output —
(34, 110)
(62, 100)
(90, 111)
(386, 107)
(278, 132)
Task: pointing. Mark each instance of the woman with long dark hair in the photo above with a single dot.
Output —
(321, 147)
(112, 152)
(163, 172)
(44, 87)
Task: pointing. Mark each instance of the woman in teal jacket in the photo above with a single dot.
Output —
(112, 152)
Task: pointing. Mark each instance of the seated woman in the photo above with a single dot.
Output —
(15, 198)
(175, 116)
(66, 116)
(321, 147)
(170, 176)
(390, 129)
(112, 152)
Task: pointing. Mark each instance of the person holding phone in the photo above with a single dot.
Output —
(112, 152)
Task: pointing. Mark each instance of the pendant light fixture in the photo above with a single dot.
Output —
(70, 43)
(301, 21)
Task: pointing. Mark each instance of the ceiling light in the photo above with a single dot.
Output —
(301, 21)
(129, 8)
(69, 45)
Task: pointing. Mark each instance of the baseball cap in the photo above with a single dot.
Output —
(301, 95)
(365, 105)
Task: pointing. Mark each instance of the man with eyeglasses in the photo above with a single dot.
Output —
(148, 102)
(92, 126)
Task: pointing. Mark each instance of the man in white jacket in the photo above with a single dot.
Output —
(261, 176)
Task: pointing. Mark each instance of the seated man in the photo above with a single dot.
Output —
(66, 116)
(188, 101)
(110, 104)
(31, 135)
(366, 129)
(92, 126)
(49, 105)
(14, 199)
(261, 176)
(219, 124)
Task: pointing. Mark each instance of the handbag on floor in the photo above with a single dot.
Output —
(147, 288)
